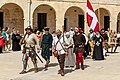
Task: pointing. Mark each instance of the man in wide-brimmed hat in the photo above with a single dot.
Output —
(46, 46)
(31, 42)
(46, 28)
(29, 28)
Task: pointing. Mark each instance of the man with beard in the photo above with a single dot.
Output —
(58, 45)
(79, 41)
(30, 43)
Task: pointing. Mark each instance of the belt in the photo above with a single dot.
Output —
(79, 46)
(29, 47)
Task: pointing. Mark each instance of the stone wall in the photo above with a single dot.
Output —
(15, 17)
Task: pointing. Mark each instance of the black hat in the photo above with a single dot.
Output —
(46, 29)
(91, 30)
(102, 29)
(28, 28)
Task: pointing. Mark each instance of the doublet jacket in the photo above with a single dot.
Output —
(79, 42)
(31, 40)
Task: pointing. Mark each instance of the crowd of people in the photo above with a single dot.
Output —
(70, 48)
(9, 40)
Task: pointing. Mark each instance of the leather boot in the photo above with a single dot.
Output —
(47, 63)
(82, 66)
(77, 66)
(24, 68)
(59, 71)
(35, 67)
(62, 73)
(36, 70)
(22, 72)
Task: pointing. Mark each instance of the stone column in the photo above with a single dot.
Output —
(113, 22)
(29, 12)
(59, 20)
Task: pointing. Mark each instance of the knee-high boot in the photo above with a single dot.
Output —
(24, 67)
(82, 66)
(77, 66)
(35, 65)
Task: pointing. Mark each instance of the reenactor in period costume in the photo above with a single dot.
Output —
(70, 58)
(86, 46)
(30, 43)
(105, 40)
(59, 49)
(112, 39)
(118, 42)
(71, 32)
(91, 35)
(46, 46)
(79, 42)
(98, 48)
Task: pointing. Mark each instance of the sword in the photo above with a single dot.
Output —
(38, 57)
(36, 54)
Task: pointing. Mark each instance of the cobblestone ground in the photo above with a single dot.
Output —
(11, 65)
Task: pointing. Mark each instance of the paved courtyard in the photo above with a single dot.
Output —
(11, 65)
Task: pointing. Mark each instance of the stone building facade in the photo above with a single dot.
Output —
(56, 13)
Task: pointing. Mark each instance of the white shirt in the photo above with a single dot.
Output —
(7, 37)
(91, 35)
(118, 35)
(30, 40)
(86, 38)
(58, 46)
(72, 33)
(69, 41)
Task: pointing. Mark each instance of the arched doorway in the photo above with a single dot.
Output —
(74, 16)
(103, 16)
(44, 16)
(11, 15)
(118, 23)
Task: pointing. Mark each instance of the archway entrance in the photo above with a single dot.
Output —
(74, 16)
(103, 16)
(118, 23)
(11, 15)
(44, 16)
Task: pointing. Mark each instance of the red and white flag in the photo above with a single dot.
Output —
(92, 18)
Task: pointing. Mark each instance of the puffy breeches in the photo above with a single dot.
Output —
(79, 57)
(26, 57)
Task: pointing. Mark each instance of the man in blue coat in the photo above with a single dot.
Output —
(46, 46)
